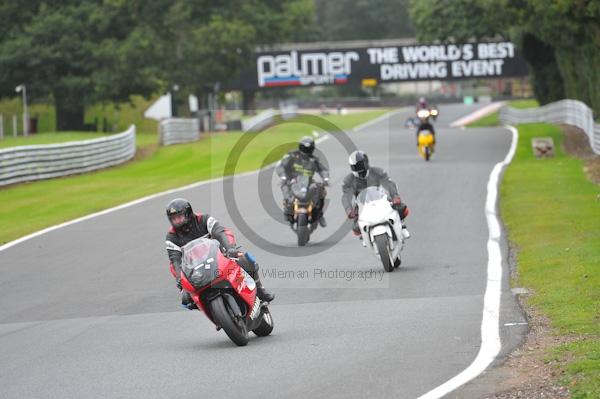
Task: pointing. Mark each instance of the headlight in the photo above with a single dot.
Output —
(423, 113)
(200, 276)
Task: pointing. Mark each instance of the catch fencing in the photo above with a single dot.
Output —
(570, 112)
(179, 130)
(44, 161)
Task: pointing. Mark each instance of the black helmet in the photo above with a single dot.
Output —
(359, 163)
(179, 212)
(307, 145)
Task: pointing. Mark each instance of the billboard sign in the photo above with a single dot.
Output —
(384, 64)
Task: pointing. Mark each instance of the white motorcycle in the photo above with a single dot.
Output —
(380, 226)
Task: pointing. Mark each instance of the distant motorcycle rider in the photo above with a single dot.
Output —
(363, 175)
(302, 162)
(187, 226)
(425, 125)
(421, 104)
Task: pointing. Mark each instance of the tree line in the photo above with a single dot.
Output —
(76, 53)
(560, 39)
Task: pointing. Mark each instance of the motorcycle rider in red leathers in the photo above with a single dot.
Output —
(187, 226)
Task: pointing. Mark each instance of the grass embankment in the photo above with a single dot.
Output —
(142, 139)
(48, 138)
(32, 206)
(493, 118)
(552, 215)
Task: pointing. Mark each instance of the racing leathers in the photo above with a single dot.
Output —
(353, 185)
(207, 226)
(294, 164)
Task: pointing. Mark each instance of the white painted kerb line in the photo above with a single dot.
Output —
(480, 113)
(490, 323)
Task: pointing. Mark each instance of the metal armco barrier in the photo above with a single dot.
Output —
(260, 121)
(35, 162)
(267, 117)
(570, 112)
(178, 130)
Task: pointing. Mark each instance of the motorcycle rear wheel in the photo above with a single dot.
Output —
(381, 241)
(236, 330)
(266, 324)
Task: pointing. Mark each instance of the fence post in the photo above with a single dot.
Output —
(1, 127)
(14, 125)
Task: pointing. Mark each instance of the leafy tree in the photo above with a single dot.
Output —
(77, 52)
(573, 29)
(363, 19)
(560, 39)
(81, 52)
(456, 20)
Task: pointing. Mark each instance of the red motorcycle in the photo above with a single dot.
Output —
(224, 291)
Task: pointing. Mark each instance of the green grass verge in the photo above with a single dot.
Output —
(493, 118)
(32, 206)
(552, 215)
(48, 138)
(142, 139)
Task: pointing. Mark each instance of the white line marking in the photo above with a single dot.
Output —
(480, 113)
(378, 119)
(171, 191)
(490, 323)
(515, 324)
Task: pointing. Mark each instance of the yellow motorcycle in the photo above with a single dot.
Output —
(426, 144)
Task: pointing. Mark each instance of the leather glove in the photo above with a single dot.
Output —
(351, 212)
(232, 253)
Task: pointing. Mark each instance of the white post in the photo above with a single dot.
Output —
(19, 89)
(25, 113)
(1, 127)
(14, 125)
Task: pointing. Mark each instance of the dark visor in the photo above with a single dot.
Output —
(358, 167)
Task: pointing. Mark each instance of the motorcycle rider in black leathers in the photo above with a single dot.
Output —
(364, 176)
(302, 162)
(421, 104)
(187, 226)
(425, 125)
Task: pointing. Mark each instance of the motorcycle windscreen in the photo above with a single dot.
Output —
(200, 262)
(301, 186)
(370, 194)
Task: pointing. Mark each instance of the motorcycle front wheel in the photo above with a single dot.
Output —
(381, 241)
(302, 231)
(236, 330)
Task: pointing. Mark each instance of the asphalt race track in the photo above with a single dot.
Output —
(90, 310)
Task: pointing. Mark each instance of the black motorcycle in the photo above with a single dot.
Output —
(306, 199)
